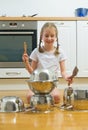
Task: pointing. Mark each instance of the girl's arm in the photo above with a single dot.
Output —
(30, 67)
(64, 74)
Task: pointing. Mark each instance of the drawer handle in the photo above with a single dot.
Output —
(13, 73)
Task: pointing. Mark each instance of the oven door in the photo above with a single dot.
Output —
(11, 50)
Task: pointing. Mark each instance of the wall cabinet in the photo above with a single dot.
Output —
(82, 48)
(67, 40)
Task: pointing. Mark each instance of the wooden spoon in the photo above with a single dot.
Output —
(25, 47)
(25, 51)
(75, 71)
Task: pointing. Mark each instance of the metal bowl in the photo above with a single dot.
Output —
(11, 104)
(41, 87)
(43, 75)
(42, 81)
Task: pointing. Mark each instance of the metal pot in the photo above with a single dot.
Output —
(11, 104)
(43, 103)
(75, 99)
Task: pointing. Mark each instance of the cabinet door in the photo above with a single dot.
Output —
(67, 40)
(82, 48)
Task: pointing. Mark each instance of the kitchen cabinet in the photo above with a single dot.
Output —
(82, 48)
(67, 40)
(14, 73)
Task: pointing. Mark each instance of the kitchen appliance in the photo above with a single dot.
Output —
(11, 104)
(42, 82)
(13, 34)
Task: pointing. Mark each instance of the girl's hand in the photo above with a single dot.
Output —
(70, 80)
(25, 57)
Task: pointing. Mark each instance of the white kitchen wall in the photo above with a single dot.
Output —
(58, 8)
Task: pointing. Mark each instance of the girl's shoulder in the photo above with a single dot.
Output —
(35, 50)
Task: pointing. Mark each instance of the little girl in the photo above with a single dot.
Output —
(47, 56)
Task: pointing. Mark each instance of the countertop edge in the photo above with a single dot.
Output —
(44, 18)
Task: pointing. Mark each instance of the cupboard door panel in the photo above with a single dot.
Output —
(82, 48)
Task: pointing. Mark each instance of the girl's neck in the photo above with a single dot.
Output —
(46, 48)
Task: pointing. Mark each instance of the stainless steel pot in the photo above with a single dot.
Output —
(43, 103)
(75, 99)
(11, 104)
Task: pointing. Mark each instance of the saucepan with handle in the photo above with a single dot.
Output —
(68, 97)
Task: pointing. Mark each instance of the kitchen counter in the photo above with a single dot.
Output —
(55, 120)
(44, 18)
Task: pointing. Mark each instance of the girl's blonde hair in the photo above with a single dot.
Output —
(48, 24)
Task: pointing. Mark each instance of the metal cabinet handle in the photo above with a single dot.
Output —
(13, 73)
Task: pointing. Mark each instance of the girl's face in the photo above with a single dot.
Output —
(49, 36)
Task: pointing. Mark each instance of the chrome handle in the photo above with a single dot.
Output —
(13, 73)
(16, 32)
